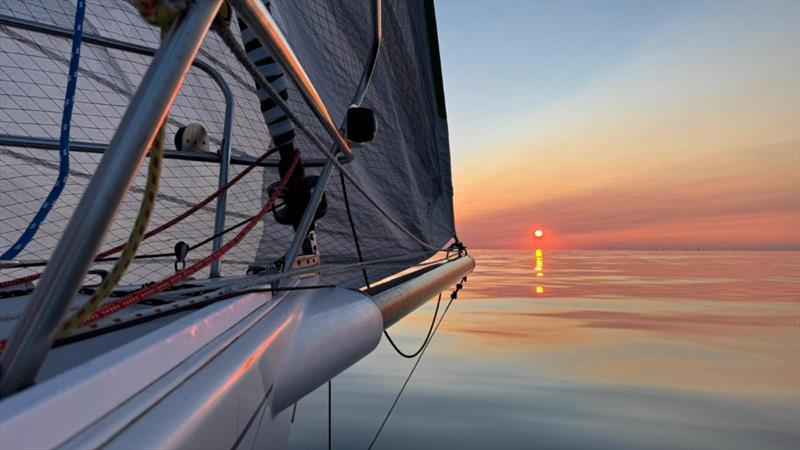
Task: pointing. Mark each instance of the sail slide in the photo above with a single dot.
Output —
(303, 206)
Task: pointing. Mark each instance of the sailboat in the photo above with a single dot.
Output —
(172, 275)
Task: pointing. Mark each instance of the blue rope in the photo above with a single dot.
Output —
(63, 145)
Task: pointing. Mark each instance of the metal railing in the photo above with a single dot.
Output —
(35, 331)
(11, 140)
(264, 28)
(223, 158)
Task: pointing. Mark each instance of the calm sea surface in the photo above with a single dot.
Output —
(604, 350)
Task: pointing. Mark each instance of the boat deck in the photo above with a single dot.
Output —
(122, 326)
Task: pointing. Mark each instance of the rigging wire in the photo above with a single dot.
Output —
(141, 294)
(245, 286)
(63, 143)
(391, 262)
(239, 52)
(453, 296)
(241, 56)
(104, 256)
(353, 229)
(200, 204)
(366, 278)
(430, 329)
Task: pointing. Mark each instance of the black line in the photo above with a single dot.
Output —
(353, 229)
(405, 383)
(330, 414)
(427, 337)
(252, 418)
(283, 289)
(227, 230)
(258, 428)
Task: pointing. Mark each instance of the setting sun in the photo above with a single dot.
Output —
(538, 234)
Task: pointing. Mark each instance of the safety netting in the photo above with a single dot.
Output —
(406, 169)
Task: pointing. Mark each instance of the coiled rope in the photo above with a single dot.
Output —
(63, 142)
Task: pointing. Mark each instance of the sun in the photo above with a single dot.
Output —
(538, 234)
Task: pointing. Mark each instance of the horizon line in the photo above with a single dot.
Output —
(645, 249)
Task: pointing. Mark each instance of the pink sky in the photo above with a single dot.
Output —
(691, 138)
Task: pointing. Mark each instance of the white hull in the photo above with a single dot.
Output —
(179, 364)
(223, 376)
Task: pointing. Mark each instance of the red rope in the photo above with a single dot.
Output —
(141, 294)
(164, 226)
(22, 280)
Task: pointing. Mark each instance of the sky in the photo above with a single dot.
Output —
(634, 125)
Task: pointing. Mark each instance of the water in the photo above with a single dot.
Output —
(604, 350)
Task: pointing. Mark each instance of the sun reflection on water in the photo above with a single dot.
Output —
(538, 268)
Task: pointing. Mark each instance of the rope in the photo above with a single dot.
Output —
(63, 143)
(105, 254)
(353, 229)
(427, 337)
(241, 56)
(453, 296)
(141, 294)
(230, 40)
(137, 235)
(199, 205)
(140, 225)
(245, 286)
(23, 280)
(190, 248)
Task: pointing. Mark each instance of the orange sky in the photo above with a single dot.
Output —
(691, 137)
